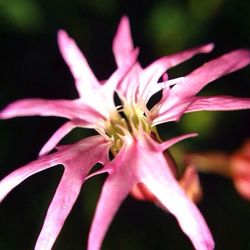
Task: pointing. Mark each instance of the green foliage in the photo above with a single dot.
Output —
(22, 14)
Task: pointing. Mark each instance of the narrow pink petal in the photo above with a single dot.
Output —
(148, 77)
(77, 166)
(175, 59)
(164, 86)
(118, 76)
(71, 109)
(100, 99)
(154, 71)
(148, 81)
(19, 175)
(211, 71)
(115, 189)
(123, 48)
(127, 171)
(207, 103)
(65, 154)
(77, 160)
(163, 185)
(218, 103)
(122, 43)
(60, 207)
(181, 95)
(167, 144)
(88, 87)
(127, 88)
(84, 77)
(59, 135)
(169, 111)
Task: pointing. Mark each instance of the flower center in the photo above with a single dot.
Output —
(126, 120)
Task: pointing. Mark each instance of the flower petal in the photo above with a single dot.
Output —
(114, 191)
(173, 110)
(19, 175)
(133, 165)
(64, 155)
(88, 151)
(86, 83)
(69, 188)
(128, 86)
(71, 109)
(83, 75)
(173, 198)
(59, 134)
(60, 207)
(181, 95)
(218, 103)
(211, 71)
(122, 43)
(163, 185)
(167, 144)
(123, 47)
(118, 76)
(151, 74)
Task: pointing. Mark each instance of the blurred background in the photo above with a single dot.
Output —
(31, 66)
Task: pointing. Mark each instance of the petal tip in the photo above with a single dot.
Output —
(124, 22)
(125, 18)
(245, 53)
(208, 48)
(61, 34)
(63, 38)
(2, 116)
(6, 114)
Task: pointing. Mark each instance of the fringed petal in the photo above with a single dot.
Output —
(19, 175)
(219, 103)
(59, 135)
(119, 76)
(133, 165)
(162, 184)
(127, 88)
(123, 47)
(167, 144)
(122, 43)
(77, 159)
(150, 76)
(70, 186)
(64, 155)
(114, 191)
(174, 110)
(71, 109)
(182, 95)
(85, 79)
(165, 188)
(211, 71)
(61, 205)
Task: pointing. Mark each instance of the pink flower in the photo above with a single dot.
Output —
(240, 170)
(136, 147)
(235, 166)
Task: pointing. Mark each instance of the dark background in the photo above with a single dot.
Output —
(31, 66)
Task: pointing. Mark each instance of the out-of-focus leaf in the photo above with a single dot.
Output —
(22, 14)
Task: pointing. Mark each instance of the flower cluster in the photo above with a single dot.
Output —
(127, 132)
